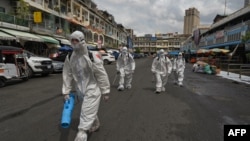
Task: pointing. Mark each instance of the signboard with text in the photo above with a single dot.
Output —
(37, 17)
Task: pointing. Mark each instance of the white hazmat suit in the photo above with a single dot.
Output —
(178, 68)
(125, 67)
(161, 68)
(87, 77)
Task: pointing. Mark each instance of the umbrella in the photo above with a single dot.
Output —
(65, 48)
(200, 51)
(225, 50)
(217, 50)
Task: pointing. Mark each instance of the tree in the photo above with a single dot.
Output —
(137, 50)
(246, 40)
(22, 10)
(246, 37)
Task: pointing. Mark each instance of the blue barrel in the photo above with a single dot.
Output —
(67, 111)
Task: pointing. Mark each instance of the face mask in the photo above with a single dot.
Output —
(161, 55)
(76, 47)
(124, 53)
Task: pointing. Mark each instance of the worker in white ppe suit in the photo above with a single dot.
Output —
(178, 69)
(125, 67)
(161, 68)
(87, 77)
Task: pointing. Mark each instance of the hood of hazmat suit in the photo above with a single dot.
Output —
(79, 47)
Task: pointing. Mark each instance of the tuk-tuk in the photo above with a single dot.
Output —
(13, 64)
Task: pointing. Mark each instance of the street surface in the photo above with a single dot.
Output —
(31, 111)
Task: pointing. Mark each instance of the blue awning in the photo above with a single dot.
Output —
(65, 48)
(220, 45)
(173, 52)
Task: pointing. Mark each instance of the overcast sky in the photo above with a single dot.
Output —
(163, 16)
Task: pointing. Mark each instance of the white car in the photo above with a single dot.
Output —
(108, 58)
(57, 66)
(38, 65)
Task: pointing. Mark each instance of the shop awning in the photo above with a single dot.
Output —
(64, 41)
(22, 35)
(173, 52)
(49, 39)
(221, 45)
(5, 36)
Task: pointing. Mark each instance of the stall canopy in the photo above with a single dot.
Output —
(5, 36)
(221, 45)
(174, 53)
(49, 39)
(22, 35)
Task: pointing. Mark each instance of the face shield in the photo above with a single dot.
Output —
(161, 53)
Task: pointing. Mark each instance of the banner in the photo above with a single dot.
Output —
(129, 42)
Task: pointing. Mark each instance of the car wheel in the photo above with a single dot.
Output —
(25, 78)
(106, 61)
(30, 72)
(2, 83)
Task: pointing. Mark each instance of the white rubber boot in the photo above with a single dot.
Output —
(95, 126)
(120, 88)
(81, 136)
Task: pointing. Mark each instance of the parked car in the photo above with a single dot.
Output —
(13, 65)
(92, 47)
(108, 58)
(57, 66)
(37, 64)
(116, 54)
(136, 55)
(61, 56)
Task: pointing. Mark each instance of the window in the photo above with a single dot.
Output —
(2, 10)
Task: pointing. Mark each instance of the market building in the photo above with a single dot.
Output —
(149, 44)
(226, 32)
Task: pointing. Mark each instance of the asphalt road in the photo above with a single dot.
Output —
(31, 111)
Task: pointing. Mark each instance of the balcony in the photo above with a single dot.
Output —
(13, 20)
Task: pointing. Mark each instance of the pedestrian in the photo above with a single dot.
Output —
(125, 67)
(161, 68)
(178, 69)
(87, 76)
